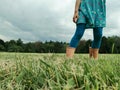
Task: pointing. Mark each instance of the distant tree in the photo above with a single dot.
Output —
(49, 46)
(14, 48)
(116, 44)
(108, 45)
(11, 46)
(20, 45)
(87, 45)
(2, 48)
(19, 42)
(81, 47)
(6, 46)
(12, 42)
(112, 44)
(2, 42)
(29, 47)
(38, 47)
(105, 46)
(2, 45)
(58, 47)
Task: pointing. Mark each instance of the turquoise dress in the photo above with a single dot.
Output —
(93, 13)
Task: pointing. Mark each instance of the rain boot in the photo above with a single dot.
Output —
(70, 52)
(95, 53)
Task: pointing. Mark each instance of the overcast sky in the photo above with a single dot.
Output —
(41, 20)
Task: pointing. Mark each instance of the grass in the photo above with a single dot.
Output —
(31, 71)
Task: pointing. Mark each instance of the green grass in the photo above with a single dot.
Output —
(23, 71)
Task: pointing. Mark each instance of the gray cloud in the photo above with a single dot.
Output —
(33, 20)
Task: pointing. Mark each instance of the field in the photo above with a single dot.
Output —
(31, 71)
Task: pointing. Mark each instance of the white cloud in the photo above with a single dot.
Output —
(33, 20)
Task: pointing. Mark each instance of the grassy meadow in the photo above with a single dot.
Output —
(31, 71)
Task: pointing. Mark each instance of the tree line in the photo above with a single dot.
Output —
(108, 45)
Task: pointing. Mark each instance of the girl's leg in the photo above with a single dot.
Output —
(75, 40)
(78, 35)
(97, 33)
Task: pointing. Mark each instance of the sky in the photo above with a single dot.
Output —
(45, 20)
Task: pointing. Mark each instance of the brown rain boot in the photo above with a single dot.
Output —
(70, 52)
(95, 53)
(90, 52)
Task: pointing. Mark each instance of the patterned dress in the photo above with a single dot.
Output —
(93, 13)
